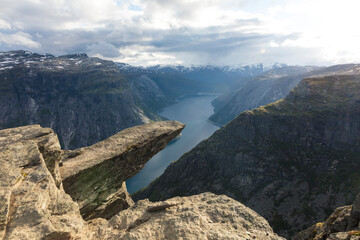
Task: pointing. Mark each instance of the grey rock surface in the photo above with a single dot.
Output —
(205, 216)
(343, 224)
(92, 175)
(32, 202)
(33, 206)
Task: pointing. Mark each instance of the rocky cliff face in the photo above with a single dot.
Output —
(34, 205)
(93, 175)
(32, 202)
(86, 100)
(343, 224)
(83, 99)
(267, 88)
(292, 161)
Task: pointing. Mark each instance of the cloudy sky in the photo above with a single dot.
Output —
(221, 32)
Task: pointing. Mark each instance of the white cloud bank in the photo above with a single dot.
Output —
(143, 32)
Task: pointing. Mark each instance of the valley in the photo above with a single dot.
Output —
(179, 120)
(194, 112)
(288, 148)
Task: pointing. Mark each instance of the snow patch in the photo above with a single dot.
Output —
(4, 68)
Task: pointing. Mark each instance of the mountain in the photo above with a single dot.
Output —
(292, 161)
(270, 86)
(176, 81)
(266, 88)
(86, 99)
(216, 78)
(83, 99)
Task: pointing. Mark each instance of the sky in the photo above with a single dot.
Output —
(186, 32)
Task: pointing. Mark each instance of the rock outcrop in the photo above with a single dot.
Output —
(93, 175)
(292, 161)
(204, 216)
(34, 206)
(343, 224)
(32, 202)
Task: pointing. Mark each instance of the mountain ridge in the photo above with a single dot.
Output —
(292, 161)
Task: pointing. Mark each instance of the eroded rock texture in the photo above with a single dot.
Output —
(34, 205)
(204, 216)
(93, 175)
(343, 224)
(32, 202)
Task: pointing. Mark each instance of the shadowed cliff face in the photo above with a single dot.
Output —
(34, 205)
(293, 161)
(267, 88)
(83, 99)
(86, 100)
(342, 224)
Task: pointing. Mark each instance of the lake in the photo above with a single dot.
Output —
(194, 112)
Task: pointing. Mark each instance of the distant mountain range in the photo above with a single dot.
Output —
(86, 99)
(268, 87)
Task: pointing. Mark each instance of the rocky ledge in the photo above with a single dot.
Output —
(95, 176)
(204, 216)
(343, 224)
(36, 177)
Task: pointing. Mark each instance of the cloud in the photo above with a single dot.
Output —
(18, 39)
(103, 49)
(4, 25)
(220, 32)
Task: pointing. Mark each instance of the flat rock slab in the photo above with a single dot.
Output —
(93, 175)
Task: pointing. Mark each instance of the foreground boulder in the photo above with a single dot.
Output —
(204, 216)
(34, 205)
(343, 224)
(94, 176)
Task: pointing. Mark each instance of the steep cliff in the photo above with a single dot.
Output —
(292, 161)
(34, 206)
(83, 99)
(343, 224)
(86, 100)
(32, 202)
(266, 88)
(93, 175)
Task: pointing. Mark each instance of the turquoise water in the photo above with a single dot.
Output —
(194, 112)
